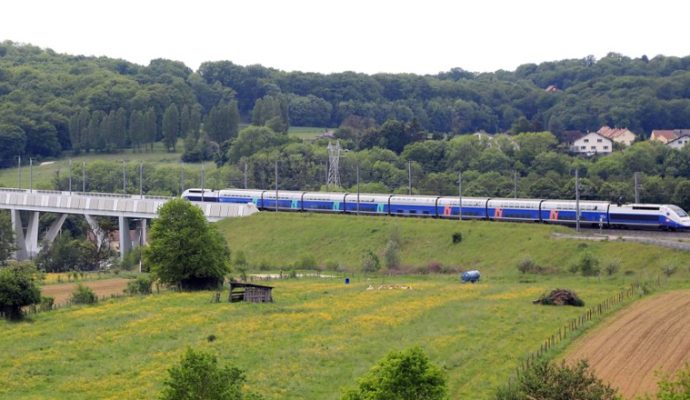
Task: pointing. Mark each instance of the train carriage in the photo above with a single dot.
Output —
(513, 209)
(367, 203)
(241, 196)
(472, 207)
(565, 212)
(419, 206)
(323, 202)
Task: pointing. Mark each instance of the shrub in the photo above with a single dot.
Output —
(407, 375)
(391, 255)
(528, 265)
(669, 270)
(46, 303)
(198, 376)
(17, 289)
(675, 387)
(434, 267)
(306, 262)
(612, 267)
(545, 380)
(141, 285)
(83, 295)
(370, 262)
(588, 265)
(457, 237)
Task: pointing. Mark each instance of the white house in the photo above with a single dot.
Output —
(592, 143)
(679, 142)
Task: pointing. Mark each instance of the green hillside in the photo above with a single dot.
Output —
(281, 240)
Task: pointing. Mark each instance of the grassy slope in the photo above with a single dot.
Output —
(43, 175)
(315, 339)
(281, 240)
(320, 335)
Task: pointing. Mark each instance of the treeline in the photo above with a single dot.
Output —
(53, 102)
(528, 165)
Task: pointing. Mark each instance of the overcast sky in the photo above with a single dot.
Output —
(370, 36)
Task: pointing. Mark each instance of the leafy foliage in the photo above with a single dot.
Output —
(6, 237)
(198, 376)
(140, 285)
(676, 386)
(405, 375)
(546, 380)
(83, 295)
(17, 289)
(185, 250)
(370, 262)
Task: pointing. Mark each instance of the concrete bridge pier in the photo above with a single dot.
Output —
(27, 243)
(125, 240)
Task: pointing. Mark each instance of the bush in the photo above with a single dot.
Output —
(457, 237)
(141, 285)
(528, 265)
(17, 289)
(545, 380)
(83, 295)
(370, 262)
(407, 375)
(612, 267)
(306, 262)
(46, 303)
(198, 376)
(391, 255)
(669, 270)
(434, 267)
(588, 265)
(675, 387)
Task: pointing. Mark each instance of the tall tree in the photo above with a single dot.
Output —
(171, 127)
(185, 250)
(6, 237)
(222, 122)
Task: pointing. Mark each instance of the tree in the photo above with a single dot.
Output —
(185, 250)
(198, 376)
(6, 237)
(370, 262)
(171, 127)
(17, 289)
(222, 122)
(545, 380)
(405, 375)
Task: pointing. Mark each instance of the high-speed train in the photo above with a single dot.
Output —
(592, 213)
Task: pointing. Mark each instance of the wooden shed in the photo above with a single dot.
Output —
(250, 292)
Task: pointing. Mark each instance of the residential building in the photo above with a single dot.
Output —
(679, 142)
(592, 143)
(663, 135)
(667, 135)
(569, 137)
(619, 135)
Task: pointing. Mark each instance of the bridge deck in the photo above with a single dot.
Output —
(108, 204)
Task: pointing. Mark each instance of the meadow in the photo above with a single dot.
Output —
(282, 240)
(316, 339)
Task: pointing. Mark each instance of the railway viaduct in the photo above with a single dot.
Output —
(127, 208)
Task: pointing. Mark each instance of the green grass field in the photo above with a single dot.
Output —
(43, 175)
(280, 240)
(306, 132)
(317, 337)
(321, 334)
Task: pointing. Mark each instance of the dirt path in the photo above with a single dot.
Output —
(652, 335)
(106, 287)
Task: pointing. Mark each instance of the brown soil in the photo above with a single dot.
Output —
(650, 336)
(62, 292)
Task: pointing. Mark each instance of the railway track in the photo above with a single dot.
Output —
(674, 240)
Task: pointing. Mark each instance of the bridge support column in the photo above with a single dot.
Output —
(142, 232)
(125, 241)
(27, 243)
(54, 230)
(100, 235)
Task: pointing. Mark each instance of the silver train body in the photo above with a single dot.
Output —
(592, 213)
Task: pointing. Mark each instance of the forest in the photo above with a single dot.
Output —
(57, 104)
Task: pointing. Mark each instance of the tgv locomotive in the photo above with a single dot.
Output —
(593, 213)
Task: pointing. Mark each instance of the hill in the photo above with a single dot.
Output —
(283, 239)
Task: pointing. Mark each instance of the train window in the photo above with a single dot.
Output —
(645, 208)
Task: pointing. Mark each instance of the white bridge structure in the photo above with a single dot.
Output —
(127, 208)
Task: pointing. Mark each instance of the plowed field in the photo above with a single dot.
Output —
(652, 335)
(106, 287)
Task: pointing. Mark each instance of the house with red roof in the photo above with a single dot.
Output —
(619, 135)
